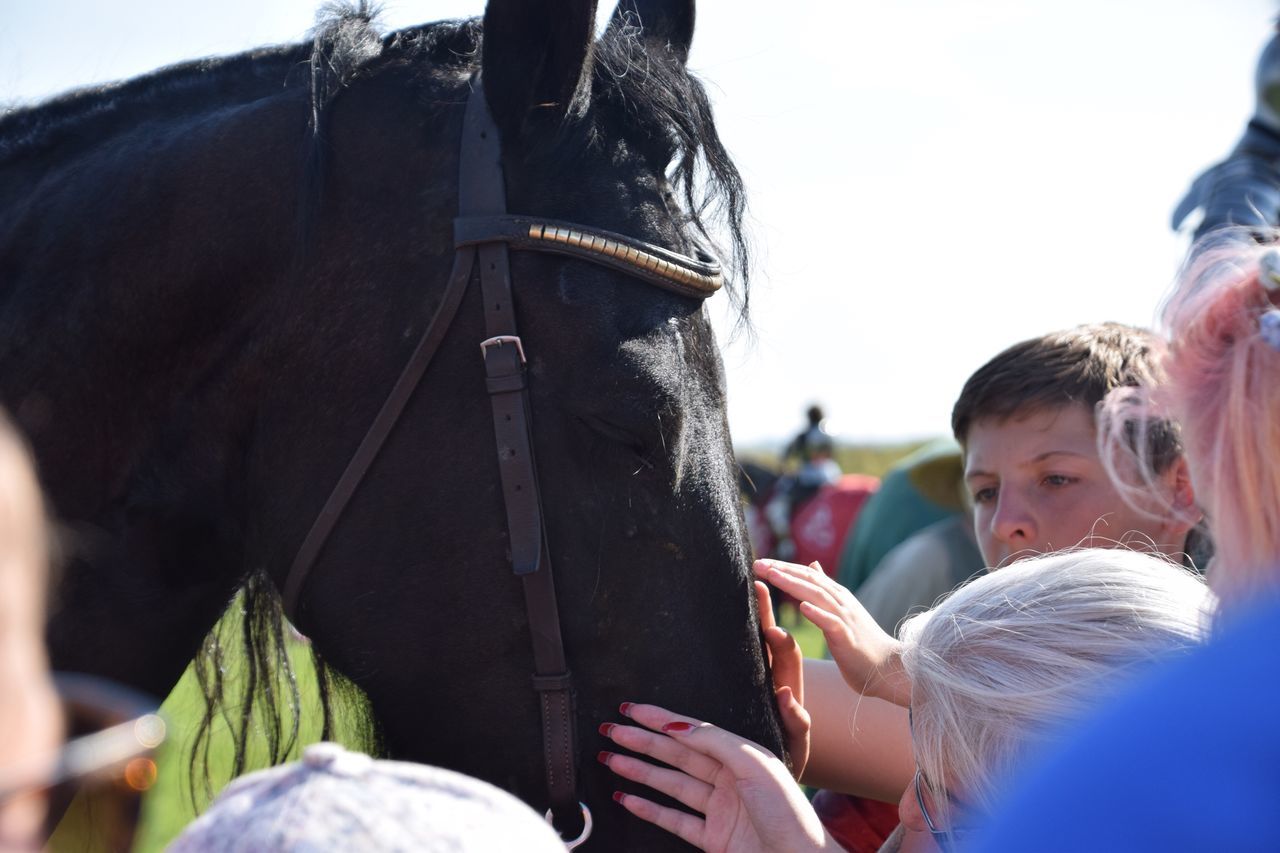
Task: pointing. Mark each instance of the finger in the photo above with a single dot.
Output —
(795, 717)
(804, 589)
(813, 573)
(654, 717)
(765, 605)
(681, 787)
(832, 625)
(742, 757)
(786, 660)
(763, 567)
(681, 824)
(797, 724)
(662, 748)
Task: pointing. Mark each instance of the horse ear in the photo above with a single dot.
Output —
(667, 21)
(536, 57)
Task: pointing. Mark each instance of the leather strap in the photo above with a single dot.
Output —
(373, 440)
(482, 193)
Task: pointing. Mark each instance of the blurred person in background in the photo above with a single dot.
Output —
(813, 452)
(922, 489)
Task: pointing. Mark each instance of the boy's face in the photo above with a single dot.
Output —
(1038, 485)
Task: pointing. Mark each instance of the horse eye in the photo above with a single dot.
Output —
(614, 433)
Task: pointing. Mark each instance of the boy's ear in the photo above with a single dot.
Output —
(1182, 493)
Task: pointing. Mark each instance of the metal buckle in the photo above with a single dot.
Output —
(586, 826)
(499, 341)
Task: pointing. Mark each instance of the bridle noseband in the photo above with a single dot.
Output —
(483, 234)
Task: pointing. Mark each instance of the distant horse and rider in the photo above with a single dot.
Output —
(804, 509)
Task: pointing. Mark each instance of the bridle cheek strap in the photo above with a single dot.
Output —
(482, 192)
(377, 434)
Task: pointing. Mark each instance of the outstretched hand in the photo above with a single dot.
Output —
(745, 797)
(787, 665)
(869, 659)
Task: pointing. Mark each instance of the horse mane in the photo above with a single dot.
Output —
(86, 116)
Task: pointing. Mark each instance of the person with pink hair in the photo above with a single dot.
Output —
(1141, 776)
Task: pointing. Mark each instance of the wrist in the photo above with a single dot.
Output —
(891, 682)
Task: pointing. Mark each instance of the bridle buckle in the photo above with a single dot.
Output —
(586, 826)
(499, 340)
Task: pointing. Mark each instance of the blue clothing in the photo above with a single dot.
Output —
(1186, 762)
(1244, 189)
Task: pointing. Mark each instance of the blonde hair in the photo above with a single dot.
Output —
(1015, 654)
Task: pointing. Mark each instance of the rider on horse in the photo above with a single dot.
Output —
(814, 448)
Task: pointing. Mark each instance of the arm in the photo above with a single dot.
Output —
(858, 744)
(1242, 190)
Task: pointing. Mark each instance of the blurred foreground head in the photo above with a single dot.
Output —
(335, 800)
(30, 716)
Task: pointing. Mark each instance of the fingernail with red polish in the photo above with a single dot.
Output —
(607, 728)
(678, 728)
(618, 796)
(603, 757)
(625, 708)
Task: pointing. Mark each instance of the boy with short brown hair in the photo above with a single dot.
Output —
(1026, 423)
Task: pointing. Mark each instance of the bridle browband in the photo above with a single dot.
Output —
(661, 267)
(483, 234)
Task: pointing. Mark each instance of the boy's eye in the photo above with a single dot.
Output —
(1058, 480)
(985, 494)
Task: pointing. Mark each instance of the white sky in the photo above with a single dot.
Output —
(930, 180)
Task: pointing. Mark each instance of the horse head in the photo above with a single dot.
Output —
(310, 231)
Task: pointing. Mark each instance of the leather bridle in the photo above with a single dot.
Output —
(483, 234)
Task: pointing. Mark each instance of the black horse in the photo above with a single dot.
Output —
(211, 276)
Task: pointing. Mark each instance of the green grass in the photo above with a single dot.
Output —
(811, 641)
(168, 807)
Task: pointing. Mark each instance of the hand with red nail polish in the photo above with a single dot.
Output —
(745, 797)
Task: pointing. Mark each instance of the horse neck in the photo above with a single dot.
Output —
(137, 271)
